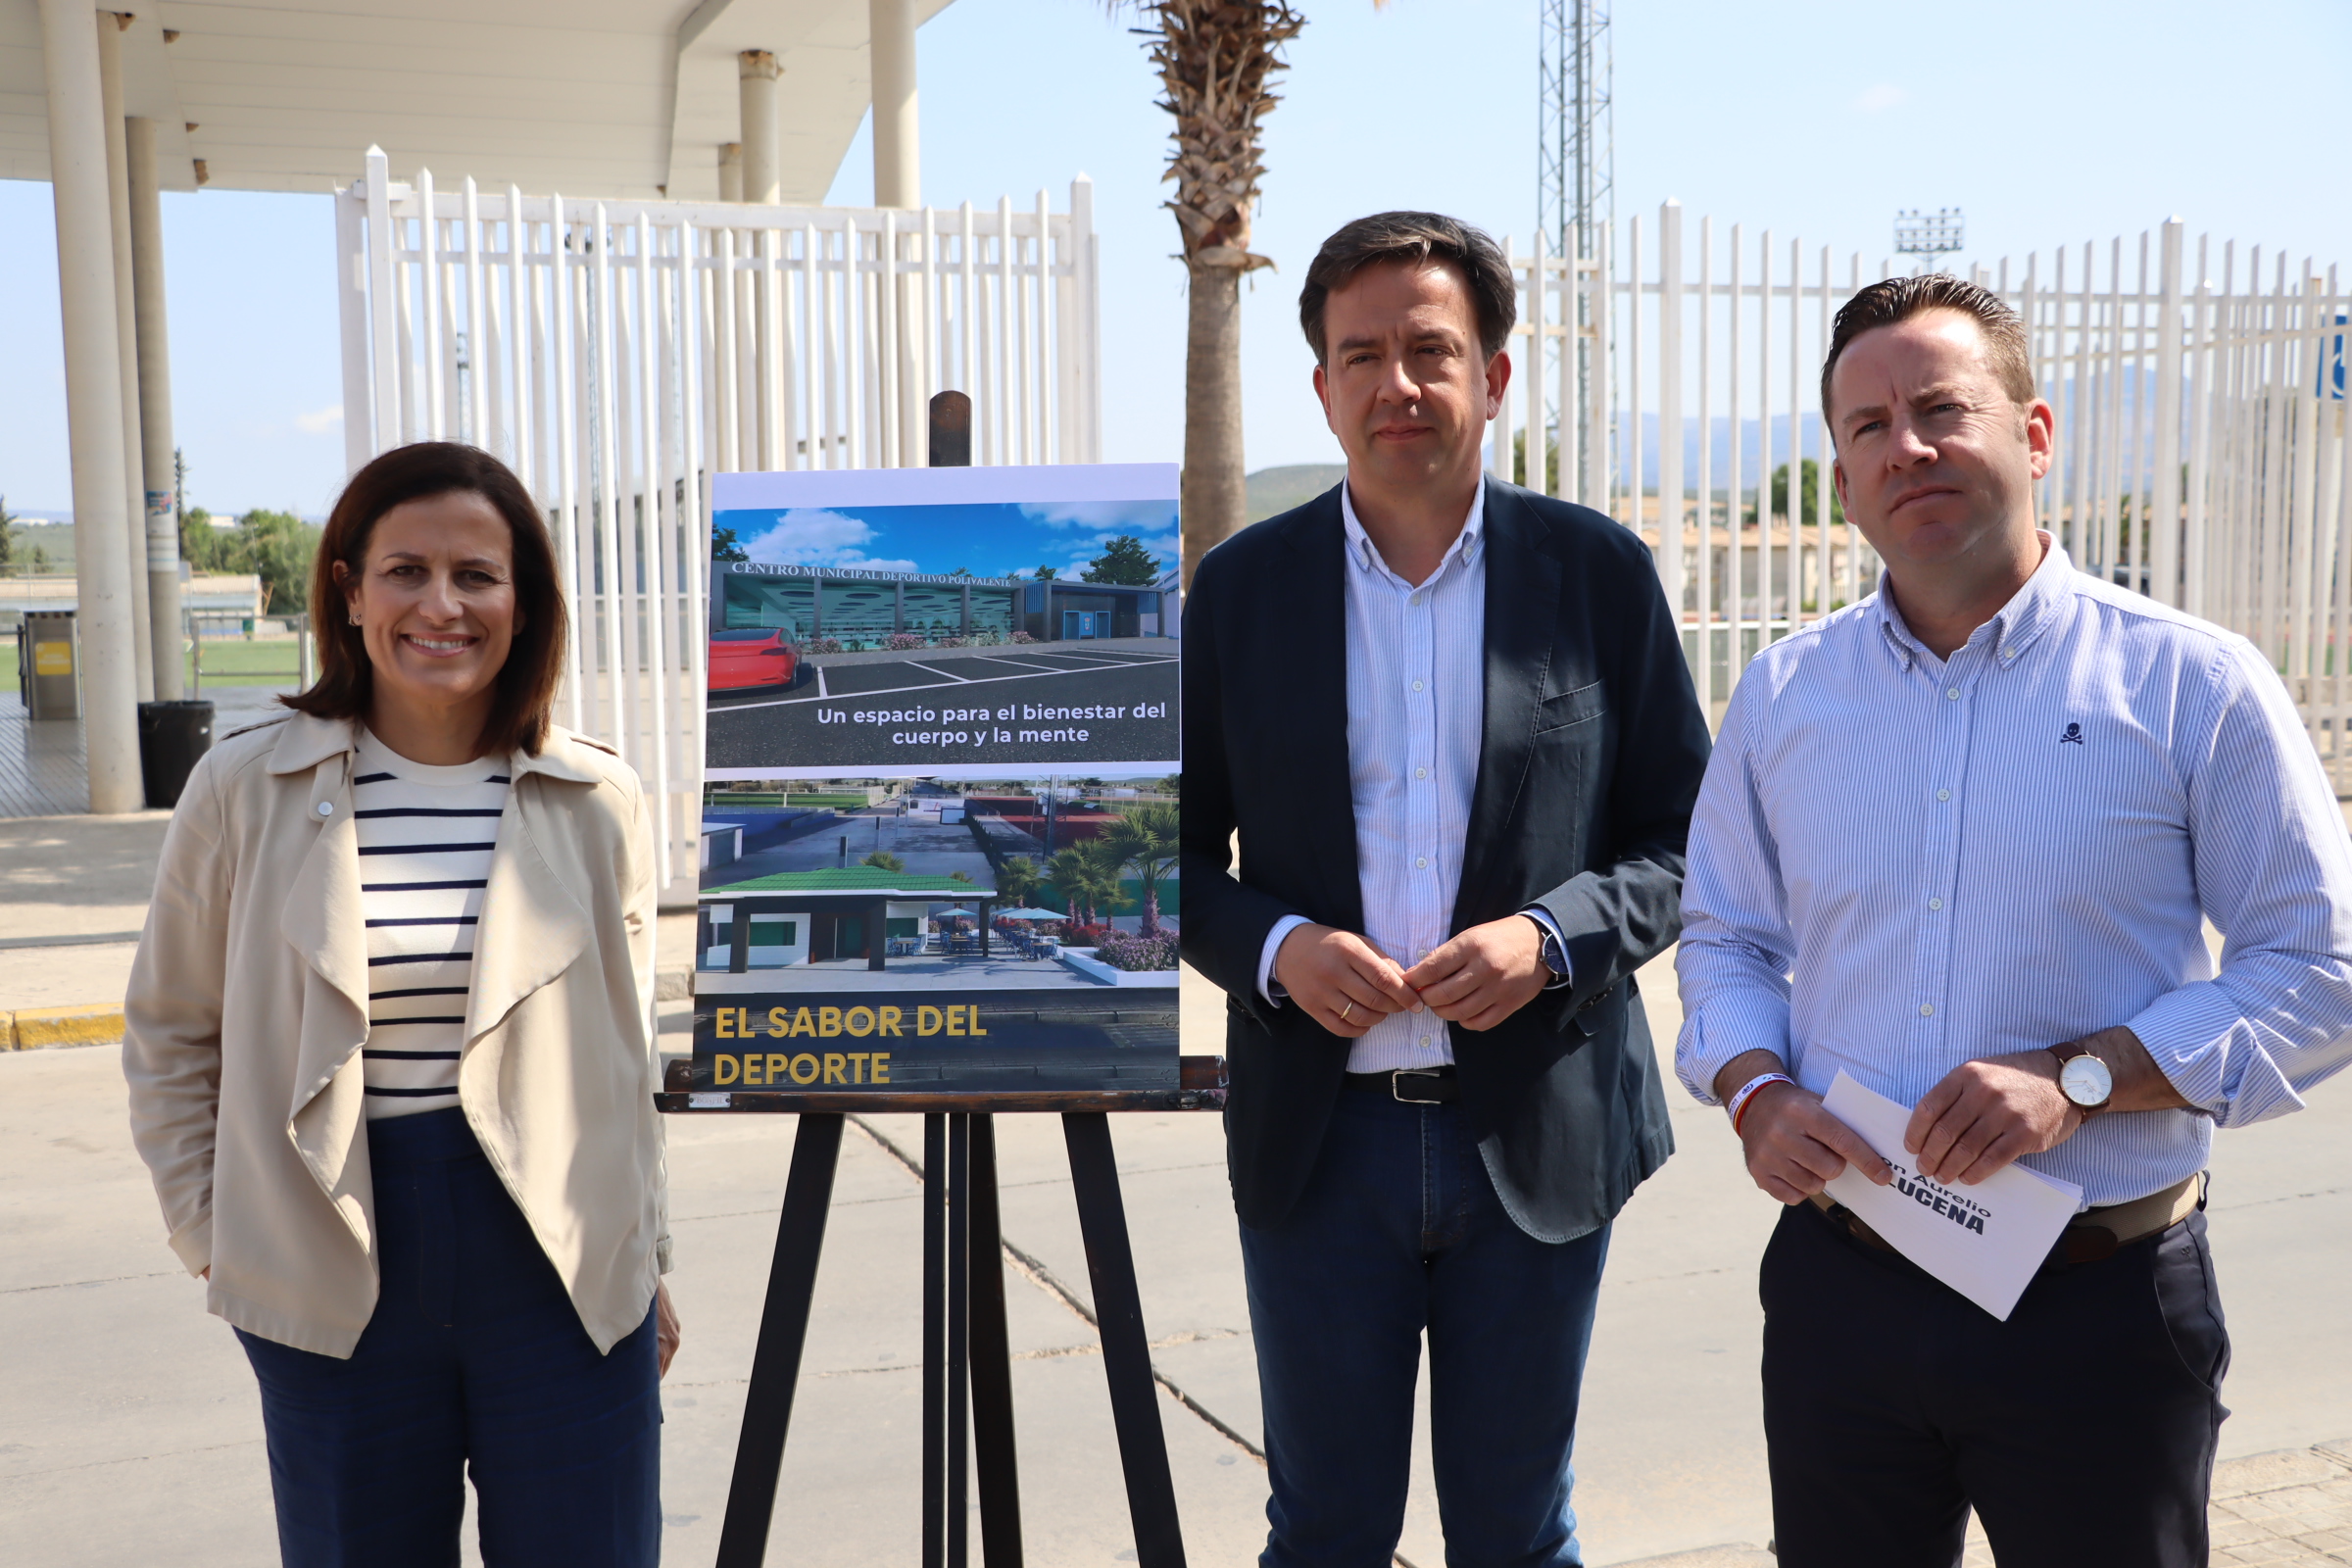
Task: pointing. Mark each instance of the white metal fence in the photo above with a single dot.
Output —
(2200, 409)
(616, 354)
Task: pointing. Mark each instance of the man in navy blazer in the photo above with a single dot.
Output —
(1450, 723)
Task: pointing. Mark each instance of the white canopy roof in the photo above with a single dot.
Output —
(588, 97)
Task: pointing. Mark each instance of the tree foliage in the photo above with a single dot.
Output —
(1146, 840)
(277, 547)
(724, 546)
(1124, 563)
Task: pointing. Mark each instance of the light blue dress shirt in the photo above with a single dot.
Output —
(1416, 714)
(1901, 864)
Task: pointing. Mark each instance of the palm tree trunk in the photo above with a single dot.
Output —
(1213, 488)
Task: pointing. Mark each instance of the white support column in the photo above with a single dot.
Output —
(898, 150)
(383, 304)
(93, 404)
(162, 509)
(762, 126)
(127, 342)
(730, 171)
(2164, 504)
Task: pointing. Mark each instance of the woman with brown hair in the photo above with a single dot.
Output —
(390, 1053)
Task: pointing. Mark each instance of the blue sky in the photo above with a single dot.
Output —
(988, 540)
(2047, 123)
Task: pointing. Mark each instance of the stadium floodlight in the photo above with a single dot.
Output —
(1933, 236)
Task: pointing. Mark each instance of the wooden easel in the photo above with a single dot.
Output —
(964, 1346)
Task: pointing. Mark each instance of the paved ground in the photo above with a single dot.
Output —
(132, 1420)
(135, 1422)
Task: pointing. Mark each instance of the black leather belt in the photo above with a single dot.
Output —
(1411, 1086)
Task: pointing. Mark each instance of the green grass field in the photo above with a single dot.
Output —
(226, 663)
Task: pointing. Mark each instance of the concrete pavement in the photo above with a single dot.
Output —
(128, 1425)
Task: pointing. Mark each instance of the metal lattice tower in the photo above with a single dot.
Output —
(1576, 142)
(1576, 159)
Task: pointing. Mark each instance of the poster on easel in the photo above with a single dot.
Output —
(938, 836)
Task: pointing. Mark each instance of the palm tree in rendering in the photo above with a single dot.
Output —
(1016, 879)
(1084, 879)
(1146, 840)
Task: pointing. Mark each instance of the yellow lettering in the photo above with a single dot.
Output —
(887, 1020)
(881, 1067)
(971, 1015)
(856, 1066)
(802, 1023)
(726, 1069)
(926, 1020)
(775, 1067)
(956, 1019)
(723, 1023)
(835, 1062)
(860, 1021)
(828, 1021)
(778, 1025)
(752, 1069)
(800, 1077)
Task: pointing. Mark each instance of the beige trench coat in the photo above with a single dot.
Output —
(248, 1005)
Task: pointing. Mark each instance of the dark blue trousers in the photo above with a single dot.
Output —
(474, 1361)
(1400, 1234)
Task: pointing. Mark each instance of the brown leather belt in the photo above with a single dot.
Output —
(2090, 1236)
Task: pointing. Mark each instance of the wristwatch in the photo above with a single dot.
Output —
(1552, 956)
(2083, 1078)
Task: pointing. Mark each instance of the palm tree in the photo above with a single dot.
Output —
(1016, 879)
(1085, 883)
(1146, 839)
(1214, 58)
(883, 860)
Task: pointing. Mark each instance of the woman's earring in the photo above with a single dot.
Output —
(355, 620)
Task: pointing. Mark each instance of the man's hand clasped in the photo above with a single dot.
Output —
(1477, 980)
(1978, 1120)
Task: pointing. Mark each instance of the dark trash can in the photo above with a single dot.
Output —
(172, 736)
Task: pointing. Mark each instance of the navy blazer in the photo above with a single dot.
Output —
(1592, 750)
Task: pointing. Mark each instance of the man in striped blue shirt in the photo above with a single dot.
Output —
(1960, 841)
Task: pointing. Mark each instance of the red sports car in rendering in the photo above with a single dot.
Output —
(760, 656)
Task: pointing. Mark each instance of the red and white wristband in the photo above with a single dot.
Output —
(1735, 1107)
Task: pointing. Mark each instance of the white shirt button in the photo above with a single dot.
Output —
(1425, 1039)
(1927, 1009)
(327, 808)
(1953, 693)
(1416, 685)
(1934, 904)
(1420, 772)
(1416, 599)
(1943, 794)
(1422, 863)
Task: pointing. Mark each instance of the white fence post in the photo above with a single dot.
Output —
(2164, 506)
(1670, 407)
(614, 396)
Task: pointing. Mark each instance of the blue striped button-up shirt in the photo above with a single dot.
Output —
(1416, 715)
(1899, 864)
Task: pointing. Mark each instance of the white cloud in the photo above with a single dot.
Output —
(1123, 515)
(1883, 96)
(319, 421)
(806, 537)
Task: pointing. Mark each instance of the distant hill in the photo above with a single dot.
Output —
(1273, 490)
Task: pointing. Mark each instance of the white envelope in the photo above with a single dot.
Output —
(1985, 1242)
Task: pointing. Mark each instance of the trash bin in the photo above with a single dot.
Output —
(49, 666)
(172, 736)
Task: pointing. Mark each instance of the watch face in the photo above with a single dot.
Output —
(2087, 1081)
